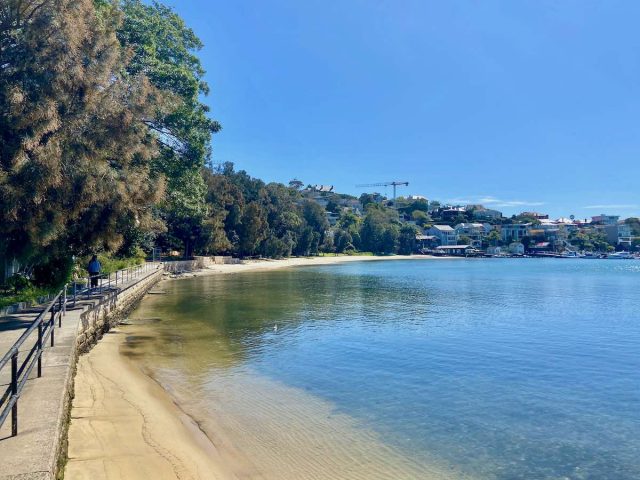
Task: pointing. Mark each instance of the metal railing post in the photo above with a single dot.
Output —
(40, 349)
(64, 311)
(60, 311)
(14, 394)
(52, 324)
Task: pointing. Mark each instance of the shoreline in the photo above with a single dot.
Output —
(125, 424)
(267, 265)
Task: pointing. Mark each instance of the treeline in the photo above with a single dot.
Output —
(246, 217)
(105, 142)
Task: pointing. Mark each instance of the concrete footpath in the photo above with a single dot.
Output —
(43, 408)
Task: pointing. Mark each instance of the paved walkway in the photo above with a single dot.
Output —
(42, 407)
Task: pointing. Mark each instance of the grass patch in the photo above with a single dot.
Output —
(30, 295)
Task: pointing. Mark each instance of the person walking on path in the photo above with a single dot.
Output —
(94, 269)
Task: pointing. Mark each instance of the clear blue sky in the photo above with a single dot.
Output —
(531, 105)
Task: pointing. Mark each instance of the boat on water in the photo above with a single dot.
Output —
(571, 254)
(620, 256)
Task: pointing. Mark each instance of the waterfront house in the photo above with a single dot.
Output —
(475, 231)
(514, 232)
(516, 248)
(426, 242)
(445, 234)
(619, 234)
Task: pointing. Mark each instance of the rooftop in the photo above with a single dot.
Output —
(443, 228)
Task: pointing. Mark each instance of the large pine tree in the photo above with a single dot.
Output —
(75, 151)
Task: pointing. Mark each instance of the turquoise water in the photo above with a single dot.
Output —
(501, 369)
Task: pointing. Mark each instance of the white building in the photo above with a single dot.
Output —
(445, 234)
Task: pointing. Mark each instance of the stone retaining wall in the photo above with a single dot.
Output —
(110, 310)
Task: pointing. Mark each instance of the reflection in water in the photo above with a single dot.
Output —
(493, 369)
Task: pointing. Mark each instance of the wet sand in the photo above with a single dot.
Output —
(125, 426)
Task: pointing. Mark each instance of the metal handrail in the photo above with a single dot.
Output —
(56, 309)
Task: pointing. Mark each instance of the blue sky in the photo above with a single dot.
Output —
(527, 105)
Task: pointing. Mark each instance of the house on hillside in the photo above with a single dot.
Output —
(475, 231)
(536, 215)
(619, 234)
(482, 213)
(514, 232)
(451, 213)
(603, 219)
(445, 234)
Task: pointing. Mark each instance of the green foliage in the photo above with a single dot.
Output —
(420, 217)
(590, 240)
(464, 240)
(407, 240)
(164, 49)
(378, 234)
(343, 241)
(634, 223)
(18, 283)
(76, 159)
(30, 294)
(493, 238)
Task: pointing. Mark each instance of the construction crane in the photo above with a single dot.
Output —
(386, 184)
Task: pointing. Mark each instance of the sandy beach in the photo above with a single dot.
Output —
(264, 265)
(126, 426)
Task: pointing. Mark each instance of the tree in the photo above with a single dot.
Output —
(390, 239)
(634, 223)
(315, 217)
(372, 232)
(420, 217)
(252, 229)
(590, 240)
(494, 238)
(296, 184)
(164, 49)
(464, 240)
(342, 240)
(75, 159)
(407, 240)
(332, 206)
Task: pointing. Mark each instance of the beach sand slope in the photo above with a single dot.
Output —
(116, 432)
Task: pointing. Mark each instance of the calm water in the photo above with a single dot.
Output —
(492, 369)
